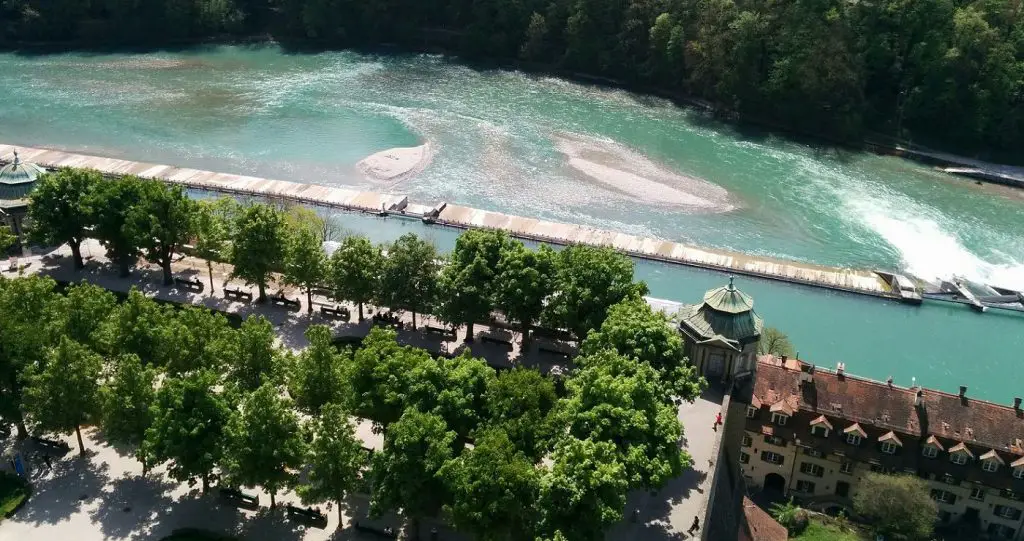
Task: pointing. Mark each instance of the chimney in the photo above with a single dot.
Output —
(840, 368)
(1016, 403)
(889, 382)
(963, 391)
(918, 398)
(784, 358)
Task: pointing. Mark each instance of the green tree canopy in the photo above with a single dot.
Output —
(113, 204)
(467, 280)
(189, 417)
(264, 444)
(896, 506)
(59, 208)
(214, 227)
(774, 342)
(127, 400)
(253, 357)
(198, 338)
(619, 400)
(584, 492)
(139, 326)
(258, 246)
(318, 376)
(65, 392)
(409, 277)
(305, 263)
(521, 402)
(405, 473)
(381, 376)
(454, 389)
(494, 489)
(354, 271)
(336, 459)
(634, 329)
(525, 279)
(165, 219)
(81, 312)
(589, 282)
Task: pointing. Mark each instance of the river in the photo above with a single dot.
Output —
(544, 147)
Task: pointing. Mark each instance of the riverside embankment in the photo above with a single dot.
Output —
(856, 281)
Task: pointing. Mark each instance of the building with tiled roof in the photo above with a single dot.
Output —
(721, 333)
(758, 525)
(813, 433)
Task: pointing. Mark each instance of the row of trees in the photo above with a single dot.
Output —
(186, 389)
(946, 72)
(486, 271)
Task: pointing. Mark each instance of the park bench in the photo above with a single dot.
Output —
(337, 312)
(191, 284)
(310, 515)
(443, 331)
(291, 304)
(53, 444)
(386, 532)
(554, 334)
(497, 341)
(554, 353)
(237, 294)
(238, 497)
(389, 320)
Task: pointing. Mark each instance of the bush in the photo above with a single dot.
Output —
(792, 516)
(14, 491)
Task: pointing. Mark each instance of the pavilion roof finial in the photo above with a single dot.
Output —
(731, 286)
(16, 160)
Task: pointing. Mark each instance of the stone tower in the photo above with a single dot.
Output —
(722, 333)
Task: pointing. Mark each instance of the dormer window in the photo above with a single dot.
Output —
(958, 458)
(781, 412)
(929, 452)
(889, 443)
(853, 439)
(959, 454)
(1018, 473)
(819, 431)
(751, 412)
(990, 465)
(780, 418)
(854, 434)
(821, 427)
(889, 447)
(991, 461)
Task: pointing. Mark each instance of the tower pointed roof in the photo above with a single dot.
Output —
(726, 316)
(18, 178)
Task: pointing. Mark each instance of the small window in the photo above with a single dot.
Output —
(751, 412)
(780, 418)
(813, 470)
(958, 458)
(853, 439)
(772, 458)
(846, 467)
(746, 441)
(977, 494)
(943, 496)
(775, 440)
(805, 486)
(1018, 473)
(1006, 511)
(819, 430)
(930, 451)
(744, 458)
(990, 465)
(813, 452)
(888, 447)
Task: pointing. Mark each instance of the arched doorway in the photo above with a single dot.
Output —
(774, 482)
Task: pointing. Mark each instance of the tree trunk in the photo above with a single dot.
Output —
(416, 528)
(76, 254)
(360, 311)
(414, 320)
(206, 483)
(124, 266)
(22, 430)
(526, 339)
(309, 299)
(340, 514)
(209, 267)
(469, 332)
(81, 444)
(273, 502)
(263, 292)
(168, 276)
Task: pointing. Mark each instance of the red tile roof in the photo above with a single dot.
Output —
(759, 525)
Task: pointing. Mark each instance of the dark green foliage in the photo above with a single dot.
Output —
(127, 401)
(305, 263)
(584, 492)
(113, 204)
(409, 278)
(336, 459)
(253, 358)
(524, 280)
(896, 506)
(521, 402)
(354, 271)
(142, 327)
(165, 219)
(80, 313)
(467, 281)
(381, 376)
(59, 208)
(317, 377)
(259, 245)
(455, 389)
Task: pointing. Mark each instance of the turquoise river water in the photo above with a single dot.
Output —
(539, 146)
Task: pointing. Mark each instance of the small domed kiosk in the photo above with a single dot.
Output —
(722, 333)
(17, 180)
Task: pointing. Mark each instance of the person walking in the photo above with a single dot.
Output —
(694, 527)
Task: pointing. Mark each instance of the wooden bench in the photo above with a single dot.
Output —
(238, 497)
(337, 312)
(237, 294)
(291, 304)
(386, 532)
(496, 341)
(389, 321)
(53, 444)
(191, 284)
(443, 331)
(310, 516)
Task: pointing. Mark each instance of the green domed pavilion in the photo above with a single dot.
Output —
(722, 332)
(17, 180)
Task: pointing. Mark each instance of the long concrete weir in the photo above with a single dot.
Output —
(851, 280)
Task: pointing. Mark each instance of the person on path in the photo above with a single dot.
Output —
(718, 421)
(46, 459)
(695, 526)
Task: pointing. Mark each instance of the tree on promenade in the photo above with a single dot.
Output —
(381, 376)
(64, 392)
(126, 404)
(467, 280)
(405, 473)
(253, 357)
(336, 459)
(59, 208)
(409, 278)
(264, 444)
(258, 246)
(525, 279)
(188, 427)
(896, 506)
(622, 401)
(589, 281)
(774, 342)
(318, 376)
(521, 402)
(165, 219)
(214, 228)
(114, 203)
(305, 263)
(634, 329)
(139, 325)
(454, 389)
(494, 489)
(354, 271)
(26, 334)
(81, 313)
(198, 338)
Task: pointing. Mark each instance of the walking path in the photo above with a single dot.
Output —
(104, 497)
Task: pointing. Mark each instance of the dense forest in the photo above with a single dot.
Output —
(939, 72)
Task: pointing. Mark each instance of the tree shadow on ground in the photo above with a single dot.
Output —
(130, 503)
(62, 491)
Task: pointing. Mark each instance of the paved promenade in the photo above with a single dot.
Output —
(104, 497)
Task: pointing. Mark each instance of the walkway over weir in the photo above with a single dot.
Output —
(852, 280)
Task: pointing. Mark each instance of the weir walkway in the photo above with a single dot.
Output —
(851, 280)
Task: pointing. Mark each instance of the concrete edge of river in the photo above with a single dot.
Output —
(866, 282)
